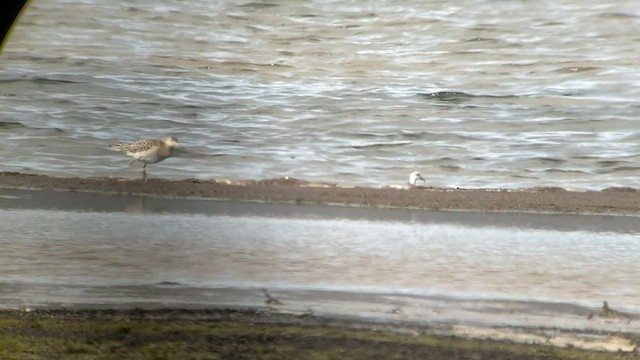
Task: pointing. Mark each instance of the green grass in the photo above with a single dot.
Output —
(127, 335)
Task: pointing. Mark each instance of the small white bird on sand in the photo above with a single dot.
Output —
(414, 177)
(148, 151)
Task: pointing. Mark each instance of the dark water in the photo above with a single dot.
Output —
(473, 93)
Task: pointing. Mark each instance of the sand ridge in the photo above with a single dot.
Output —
(616, 201)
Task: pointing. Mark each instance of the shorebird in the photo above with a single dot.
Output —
(148, 151)
(414, 177)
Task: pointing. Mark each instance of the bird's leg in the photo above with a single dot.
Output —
(144, 172)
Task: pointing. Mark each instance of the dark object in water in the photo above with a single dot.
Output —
(459, 96)
(9, 11)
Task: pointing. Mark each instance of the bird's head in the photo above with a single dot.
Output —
(171, 141)
(414, 177)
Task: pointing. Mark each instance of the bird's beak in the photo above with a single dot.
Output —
(421, 178)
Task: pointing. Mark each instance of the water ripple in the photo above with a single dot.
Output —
(322, 90)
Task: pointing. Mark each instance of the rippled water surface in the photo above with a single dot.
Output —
(473, 93)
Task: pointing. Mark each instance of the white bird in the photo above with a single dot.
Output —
(414, 177)
(148, 151)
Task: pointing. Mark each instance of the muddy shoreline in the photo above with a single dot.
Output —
(250, 334)
(613, 201)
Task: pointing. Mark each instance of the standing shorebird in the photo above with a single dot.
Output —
(414, 177)
(148, 151)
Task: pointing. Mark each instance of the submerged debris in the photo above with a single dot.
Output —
(608, 312)
(270, 299)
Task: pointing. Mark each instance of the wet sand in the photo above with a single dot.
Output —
(614, 201)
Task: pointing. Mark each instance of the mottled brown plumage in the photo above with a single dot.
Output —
(148, 151)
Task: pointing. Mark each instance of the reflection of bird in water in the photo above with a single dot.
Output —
(148, 151)
(414, 177)
(137, 205)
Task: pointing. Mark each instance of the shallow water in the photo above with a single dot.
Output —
(143, 242)
(475, 93)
